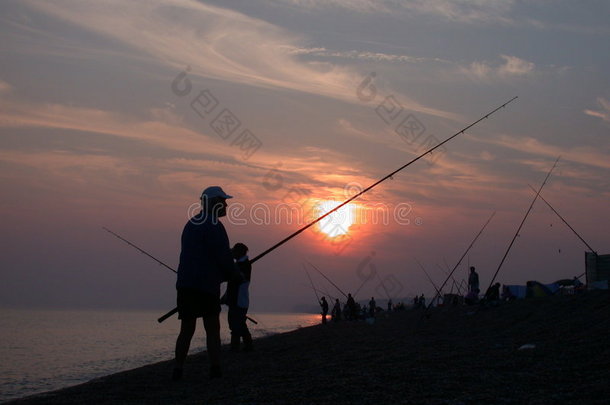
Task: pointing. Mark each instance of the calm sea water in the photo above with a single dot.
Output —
(44, 350)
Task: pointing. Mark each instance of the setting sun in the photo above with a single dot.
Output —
(338, 222)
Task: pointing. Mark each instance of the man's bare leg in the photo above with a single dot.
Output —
(187, 330)
(212, 332)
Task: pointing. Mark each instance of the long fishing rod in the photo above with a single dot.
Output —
(311, 281)
(315, 221)
(446, 271)
(463, 284)
(286, 239)
(522, 222)
(155, 259)
(329, 280)
(454, 283)
(320, 291)
(457, 285)
(140, 249)
(421, 266)
(326, 293)
(462, 258)
(564, 221)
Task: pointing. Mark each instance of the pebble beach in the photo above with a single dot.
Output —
(537, 351)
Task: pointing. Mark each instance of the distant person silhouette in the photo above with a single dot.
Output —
(390, 305)
(473, 281)
(205, 262)
(351, 307)
(372, 306)
(324, 306)
(336, 311)
(238, 300)
(422, 301)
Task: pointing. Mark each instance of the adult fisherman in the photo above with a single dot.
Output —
(205, 262)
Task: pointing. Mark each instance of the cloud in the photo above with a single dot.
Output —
(514, 66)
(217, 43)
(4, 87)
(603, 113)
(511, 67)
(504, 12)
(360, 6)
(360, 55)
(585, 155)
(465, 11)
(176, 159)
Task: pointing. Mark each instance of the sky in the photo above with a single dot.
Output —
(117, 114)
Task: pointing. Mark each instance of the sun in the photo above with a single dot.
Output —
(337, 223)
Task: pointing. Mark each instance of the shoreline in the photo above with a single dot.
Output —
(51, 350)
(460, 355)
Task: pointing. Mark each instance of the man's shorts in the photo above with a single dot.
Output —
(196, 304)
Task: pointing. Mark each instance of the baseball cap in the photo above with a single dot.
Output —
(215, 191)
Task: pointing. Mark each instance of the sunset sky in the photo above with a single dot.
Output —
(292, 103)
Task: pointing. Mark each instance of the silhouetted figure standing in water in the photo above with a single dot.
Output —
(336, 311)
(372, 306)
(238, 300)
(324, 306)
(205, 262)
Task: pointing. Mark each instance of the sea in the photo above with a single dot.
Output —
(44, 350)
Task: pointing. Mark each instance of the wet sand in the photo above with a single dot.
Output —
(459, 355)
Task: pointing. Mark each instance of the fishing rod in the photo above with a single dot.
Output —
(326, 293)
(155, 259)
(454, 283)
(446, 271)
(564, 221)
(286, 239)
(462, 258)
(458, 286)
(140, 249)
(315, 221)
(320, 291)
(522, 222)
(311, 281)
(438, 292)
(329, 280)
(463, 284)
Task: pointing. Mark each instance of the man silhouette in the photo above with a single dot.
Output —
(473, 281)
(324, 306)
(205, 262)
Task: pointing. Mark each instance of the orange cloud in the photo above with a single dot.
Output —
(603, 112)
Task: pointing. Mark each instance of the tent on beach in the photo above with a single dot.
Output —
(532, 289)
(536, 289)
